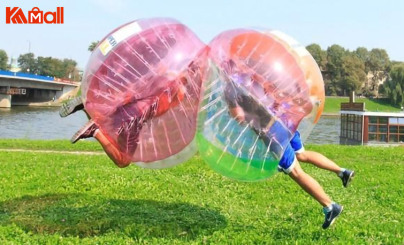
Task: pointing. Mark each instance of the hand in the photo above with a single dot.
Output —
(238, 114)
(268, 88)
(180, 93)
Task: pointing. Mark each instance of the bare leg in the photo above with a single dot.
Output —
(310, 185)
(318, 160)
(112, 151)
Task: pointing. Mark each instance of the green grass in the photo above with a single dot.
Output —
(333, 104)
(51, 198)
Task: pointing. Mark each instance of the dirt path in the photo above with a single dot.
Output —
(55, 152)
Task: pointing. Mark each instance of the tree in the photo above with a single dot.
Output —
(56, 67)
(319, 55)
(3, 60)
(335, 53)
(27, 63)
(393, 63)
(333, 74)
(393, 87)
(352, 73)
(49, 66)
(379, 66)
(92, 46)
(70, 70)
(44, 66)
(363, 54)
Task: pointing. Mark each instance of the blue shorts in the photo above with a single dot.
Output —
(295, 146)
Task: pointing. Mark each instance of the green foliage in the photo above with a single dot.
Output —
(92, 46)
(335, 55)
(52, 198)
(3, 60)
(352, 73)
(333, 74)
(393, 62)
(48, 66)
(363, 54)
(344, 71)
(393, 87)
(27, 63)
(379, 65)
(319, 55)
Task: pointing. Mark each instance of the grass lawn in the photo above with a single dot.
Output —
(54, 198)
(333, 104)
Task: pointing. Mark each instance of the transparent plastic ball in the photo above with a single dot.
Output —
(261, 85)
(142, 88)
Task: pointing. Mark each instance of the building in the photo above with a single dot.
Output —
(373, 84)
(360, 127)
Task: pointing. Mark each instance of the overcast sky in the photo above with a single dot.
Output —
(349, 23)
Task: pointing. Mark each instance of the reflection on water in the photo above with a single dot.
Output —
(45, 123)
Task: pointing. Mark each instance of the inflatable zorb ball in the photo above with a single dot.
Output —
(261, 86)
(142, 88)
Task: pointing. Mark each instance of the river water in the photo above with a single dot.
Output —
(21, 122)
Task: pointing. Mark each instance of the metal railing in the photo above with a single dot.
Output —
(37, 77)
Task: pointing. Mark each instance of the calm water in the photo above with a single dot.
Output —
(22, 122)
(326, 131)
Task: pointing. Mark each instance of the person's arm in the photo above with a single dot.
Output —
(235, 110)
(267, 86)
(172, 96)
(237, 113)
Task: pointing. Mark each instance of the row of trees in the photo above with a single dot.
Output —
(360, 71)
(346, 71)
(49, 66)
(44, 66)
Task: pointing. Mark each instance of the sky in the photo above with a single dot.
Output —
(349, 23)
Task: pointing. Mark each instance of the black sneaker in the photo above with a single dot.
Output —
(347, 177)
(332, 215)
(71, 107)
(86, 131)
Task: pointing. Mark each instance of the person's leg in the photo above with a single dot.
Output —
(129, 120)
(112, 151)
(319, 160)
(92, 130)
(309, 184)
(289, 165)
(71, 107)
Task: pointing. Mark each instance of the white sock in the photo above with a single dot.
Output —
(341, 173)
(328, 208)
(96, 132)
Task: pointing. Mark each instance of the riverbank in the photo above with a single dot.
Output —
(40, 104)
(49, 197)
(330, 114)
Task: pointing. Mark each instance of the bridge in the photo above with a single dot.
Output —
(23, 89)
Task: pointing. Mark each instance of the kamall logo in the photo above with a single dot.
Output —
(35, 16)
